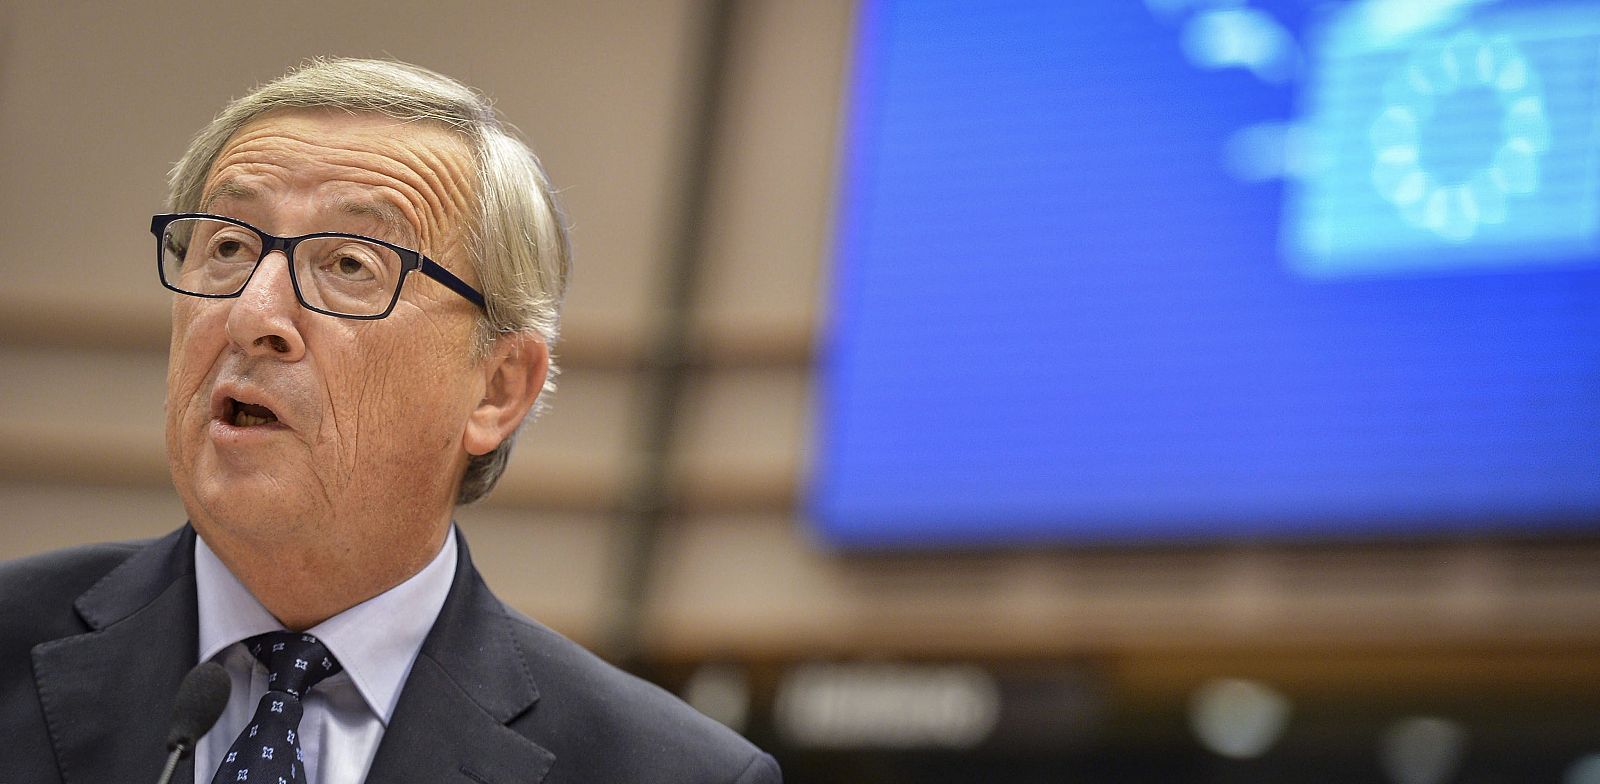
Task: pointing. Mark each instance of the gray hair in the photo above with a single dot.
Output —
(518, 245)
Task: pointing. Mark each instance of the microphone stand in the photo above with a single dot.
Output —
(179, 751)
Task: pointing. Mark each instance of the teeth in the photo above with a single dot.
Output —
(241, 419)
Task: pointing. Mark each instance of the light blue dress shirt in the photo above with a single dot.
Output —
(345, 715)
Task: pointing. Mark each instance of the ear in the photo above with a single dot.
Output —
(514, 375)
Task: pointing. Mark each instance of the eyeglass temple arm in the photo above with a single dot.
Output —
(448, 278)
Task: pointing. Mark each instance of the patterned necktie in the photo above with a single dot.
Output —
(268, 750)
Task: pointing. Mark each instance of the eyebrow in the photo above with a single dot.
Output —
(229, 189)
(394, 222)
(390, 217)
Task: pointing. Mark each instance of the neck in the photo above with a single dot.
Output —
(303, 586)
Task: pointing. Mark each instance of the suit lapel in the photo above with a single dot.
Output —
(469, 680)
(438, 734)
(108, 694)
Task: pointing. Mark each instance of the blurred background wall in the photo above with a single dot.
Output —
(682, 553)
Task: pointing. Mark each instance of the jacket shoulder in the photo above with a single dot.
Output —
(618, 727)
(37, 592)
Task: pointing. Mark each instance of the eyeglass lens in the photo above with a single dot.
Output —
(336, 274)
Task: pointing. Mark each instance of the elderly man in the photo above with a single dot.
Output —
(367, 271)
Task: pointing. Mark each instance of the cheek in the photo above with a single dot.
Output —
(368, 391)
(412, 394)
(191, 356)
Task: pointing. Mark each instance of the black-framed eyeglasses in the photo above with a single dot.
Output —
(344, 275)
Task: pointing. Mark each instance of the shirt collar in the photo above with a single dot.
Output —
(376, 641)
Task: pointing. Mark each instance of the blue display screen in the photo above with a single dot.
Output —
(1182, 270)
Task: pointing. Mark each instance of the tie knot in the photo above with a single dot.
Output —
(295, 662)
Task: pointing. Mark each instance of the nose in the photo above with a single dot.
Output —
(265, 317)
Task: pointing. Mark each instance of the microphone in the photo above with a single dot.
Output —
(201, 697)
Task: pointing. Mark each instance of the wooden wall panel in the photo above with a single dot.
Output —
(772, 202)
(577, 454)
(552, 567)
(82, 414)
(100, 98)
(743, 438)
(44, 516)
(763, 585)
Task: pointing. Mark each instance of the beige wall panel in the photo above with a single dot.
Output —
(85, 415)
(743, 437)
(43, 517)
(84, 387)
(552, 568)
(759, 585)
(98, 99)
(578, 453)
(772, 198)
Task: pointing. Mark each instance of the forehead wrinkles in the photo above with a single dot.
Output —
(429, 171)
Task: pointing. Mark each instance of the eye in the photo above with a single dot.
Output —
(232, 246)
(350, 265)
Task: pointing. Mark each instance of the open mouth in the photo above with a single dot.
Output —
(243, 414)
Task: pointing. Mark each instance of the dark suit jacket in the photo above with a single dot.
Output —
(94, 641)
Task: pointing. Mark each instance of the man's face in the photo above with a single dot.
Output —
(365, 431)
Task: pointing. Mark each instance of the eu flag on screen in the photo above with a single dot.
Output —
(1181, 269)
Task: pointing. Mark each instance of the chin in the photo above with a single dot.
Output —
(246, 504)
